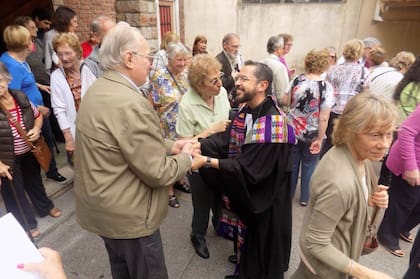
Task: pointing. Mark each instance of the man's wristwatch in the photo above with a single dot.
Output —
(208, 163)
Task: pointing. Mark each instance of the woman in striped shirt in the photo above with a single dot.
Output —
(17, 163)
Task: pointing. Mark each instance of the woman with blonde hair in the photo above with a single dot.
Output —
(347, 80)
(19, 45)
(343, 187)
(66, 87)
(403, 61)
(203, 111)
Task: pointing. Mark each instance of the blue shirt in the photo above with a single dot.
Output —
(22, 78)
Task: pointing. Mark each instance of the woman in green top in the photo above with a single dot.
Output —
(407, 93)
(203, 111)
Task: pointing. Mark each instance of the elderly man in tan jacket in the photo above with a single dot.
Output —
(123, 165)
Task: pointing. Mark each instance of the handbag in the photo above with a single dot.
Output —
(39, 148)
(371, 241)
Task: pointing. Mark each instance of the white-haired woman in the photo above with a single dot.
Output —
(168, 86)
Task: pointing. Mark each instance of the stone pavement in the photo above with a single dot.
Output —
(84, 255)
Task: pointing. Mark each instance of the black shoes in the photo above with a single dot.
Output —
(57, 177)
(200, 247)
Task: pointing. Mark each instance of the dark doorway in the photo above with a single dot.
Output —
(9, 10)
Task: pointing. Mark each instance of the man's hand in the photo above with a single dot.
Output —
(179, 145)
(44, 111)
(198, 161)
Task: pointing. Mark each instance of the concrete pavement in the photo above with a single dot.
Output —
(84, 255)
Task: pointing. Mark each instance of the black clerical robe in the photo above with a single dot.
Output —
(257, 182)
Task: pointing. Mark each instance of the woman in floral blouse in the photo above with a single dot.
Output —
(168, 86)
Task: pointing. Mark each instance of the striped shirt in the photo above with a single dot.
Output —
(20, 146)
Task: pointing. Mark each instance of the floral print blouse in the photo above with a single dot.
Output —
(167, 94)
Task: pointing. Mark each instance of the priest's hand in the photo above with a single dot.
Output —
(198, 161)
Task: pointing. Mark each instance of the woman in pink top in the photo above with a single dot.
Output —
(403, 212)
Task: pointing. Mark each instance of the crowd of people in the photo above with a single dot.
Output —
(233, 132)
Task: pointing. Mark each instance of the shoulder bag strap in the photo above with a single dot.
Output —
(17, 126)
(174, 79)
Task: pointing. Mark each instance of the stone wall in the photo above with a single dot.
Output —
(141, 14)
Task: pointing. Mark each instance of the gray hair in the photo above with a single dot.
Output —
(95, 26)
(228, 37)
(120, 39)
(273, 43)
(173, 49)
(371, 42)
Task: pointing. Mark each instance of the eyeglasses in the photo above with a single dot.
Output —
(149, 57)
(216, 80)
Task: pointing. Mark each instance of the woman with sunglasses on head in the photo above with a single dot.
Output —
(203, 111)
(169, 84)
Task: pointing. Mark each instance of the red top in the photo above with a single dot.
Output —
(87, 49)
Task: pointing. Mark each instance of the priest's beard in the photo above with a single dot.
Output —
(245, 96)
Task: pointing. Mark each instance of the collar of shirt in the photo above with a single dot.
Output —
(131, 82)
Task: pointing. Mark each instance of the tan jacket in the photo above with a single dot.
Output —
(122, 169)
(335, 223)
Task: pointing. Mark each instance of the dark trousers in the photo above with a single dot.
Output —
(55, 128)
(49, 140)
(402, 214)
(413, 271)
(138, 258)
(328, 141)
(26, 177)
(204, 198)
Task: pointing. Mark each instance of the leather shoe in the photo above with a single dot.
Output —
(200, 247)
(232, 277)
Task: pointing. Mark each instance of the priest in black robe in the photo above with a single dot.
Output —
(251, 163)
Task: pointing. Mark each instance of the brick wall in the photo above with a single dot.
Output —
(87, 10)
(138, 13)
